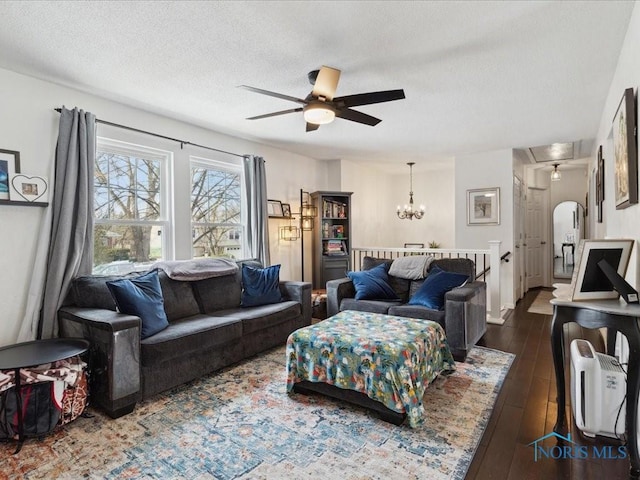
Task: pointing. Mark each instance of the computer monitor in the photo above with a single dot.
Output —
(600, 271)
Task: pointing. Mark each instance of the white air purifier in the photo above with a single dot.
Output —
(598, 390)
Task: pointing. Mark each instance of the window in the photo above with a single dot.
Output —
(131, 214)
(217, 220)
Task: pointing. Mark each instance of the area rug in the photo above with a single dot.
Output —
(541, 303)
(240, 424)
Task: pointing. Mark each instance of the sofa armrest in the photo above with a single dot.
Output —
(466, 292)
(465, 316)
(114, 354)
(336, 291)
(99, 318)
(298, 292)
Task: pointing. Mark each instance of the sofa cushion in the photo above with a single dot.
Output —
(179, 300)
(456, 265)
(372, 284)
(263, 316)
(188, 335)
(260, 286)
(91, 291)
(141, 296)
(416, 311)
(439, 282)
(219, 293)
(399, 285)
(373, 306)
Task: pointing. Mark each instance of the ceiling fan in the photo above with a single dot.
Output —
(321, 107)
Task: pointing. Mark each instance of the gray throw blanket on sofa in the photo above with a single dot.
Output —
(197, 268)
(412, 267)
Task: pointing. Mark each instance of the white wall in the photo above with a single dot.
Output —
(487, 170)
(378, 193)
(29, 125)
(621, 223)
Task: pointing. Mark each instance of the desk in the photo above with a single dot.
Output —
(31, 354)
(572, 246)
(617, 317)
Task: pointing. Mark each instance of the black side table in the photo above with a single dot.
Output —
(34, 353)
(617, 317)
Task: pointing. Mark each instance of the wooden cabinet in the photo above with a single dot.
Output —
(331, 237)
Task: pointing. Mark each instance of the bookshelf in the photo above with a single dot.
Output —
(331, 236)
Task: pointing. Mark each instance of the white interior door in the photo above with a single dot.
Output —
(518, 238)
(535, 240)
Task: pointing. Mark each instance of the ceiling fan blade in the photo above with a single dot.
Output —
(312, 126)
(359, 117)
(273, 94)
(326, 83)
(369, 98)
(275, 114)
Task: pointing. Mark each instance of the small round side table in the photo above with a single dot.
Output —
(31, 354)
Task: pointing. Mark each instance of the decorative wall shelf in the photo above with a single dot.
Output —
(23, 204)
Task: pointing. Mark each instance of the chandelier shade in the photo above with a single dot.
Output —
(408, 212)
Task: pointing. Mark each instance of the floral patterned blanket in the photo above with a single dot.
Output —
(390, 359)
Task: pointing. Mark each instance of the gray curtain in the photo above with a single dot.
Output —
(256, 203)
(71, 244)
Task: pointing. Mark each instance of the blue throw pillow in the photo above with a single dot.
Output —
(373, 284)
(431, 292)
(260, 286)
(142, 297)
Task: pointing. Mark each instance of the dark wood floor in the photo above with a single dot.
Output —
(526, 407)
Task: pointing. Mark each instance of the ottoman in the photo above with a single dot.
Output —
(382, 362)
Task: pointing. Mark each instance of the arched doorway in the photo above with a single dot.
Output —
(568, 230)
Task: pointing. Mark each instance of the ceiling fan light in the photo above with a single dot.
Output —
(319, 114)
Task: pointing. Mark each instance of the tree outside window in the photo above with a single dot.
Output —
(216, 210)
(129, 192)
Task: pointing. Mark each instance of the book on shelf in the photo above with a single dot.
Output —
(333, 209)
(335, 248)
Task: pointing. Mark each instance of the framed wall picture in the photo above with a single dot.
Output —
(29, 188)
(286, 210)
(625, 152)
(588, 281)
(483, 206)
(600, 175)
(274, 208)
(9, 166)
(599, 187)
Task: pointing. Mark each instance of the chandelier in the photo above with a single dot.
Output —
(408, 212)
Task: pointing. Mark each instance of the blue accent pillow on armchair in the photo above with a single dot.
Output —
(142, 297)
(431, 292)
(373, 284)
(260, 286)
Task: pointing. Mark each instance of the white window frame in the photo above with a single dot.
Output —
(166, 193)
(195, 161)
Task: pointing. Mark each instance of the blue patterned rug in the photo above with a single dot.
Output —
(241, 424)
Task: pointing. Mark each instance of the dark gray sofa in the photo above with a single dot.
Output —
(208, 330)
(464, 317)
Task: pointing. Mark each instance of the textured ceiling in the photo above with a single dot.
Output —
(478, 76)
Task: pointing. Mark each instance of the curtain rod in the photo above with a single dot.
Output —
(181, 142)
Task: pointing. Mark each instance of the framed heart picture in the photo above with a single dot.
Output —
(29, 188)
